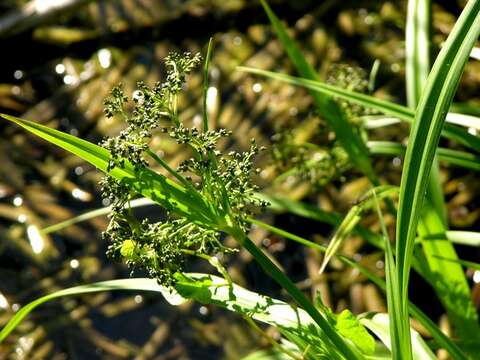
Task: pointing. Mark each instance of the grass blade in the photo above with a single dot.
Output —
(469, 238)
(468, 264)
(452, 157)
(127, 284)
(432, 328)
(397, 333)
(429, 119)
(377, 121)
(352, 218)
(417, 48)
(206, 289)
(282, 204)
(148, 183)
(93, 214)
(447, 279)
(468, 121)
(208, 57)
(475, 53)
(403, 113)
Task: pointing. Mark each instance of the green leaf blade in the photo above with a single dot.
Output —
(403, 113)
(429, 119)
(146, 182)
(417, 48)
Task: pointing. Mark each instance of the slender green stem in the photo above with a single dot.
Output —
(213, 260)
(167, 167)
(372, 77)
(206, 82)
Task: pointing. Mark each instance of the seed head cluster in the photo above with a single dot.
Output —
(323, 159)
(352, 78)
(316, 163)
(223, 180)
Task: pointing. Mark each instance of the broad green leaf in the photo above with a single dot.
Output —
(351, 328)
(207, 289)
(379, 325)
(429, 120)
(448, 278)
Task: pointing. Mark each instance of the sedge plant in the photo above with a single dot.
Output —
(433, 91)
(208, 195)
(211, 194)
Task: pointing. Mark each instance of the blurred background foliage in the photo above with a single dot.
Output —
(58, 64)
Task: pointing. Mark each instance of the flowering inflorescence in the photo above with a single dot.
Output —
(352, 78)
(315, 164)
(223, 180)
(323, 159)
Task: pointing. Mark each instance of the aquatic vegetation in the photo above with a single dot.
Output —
(211, 195)
(223, 180)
